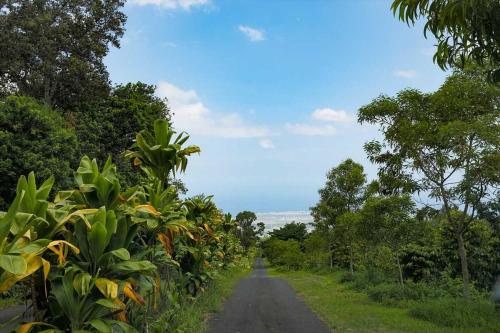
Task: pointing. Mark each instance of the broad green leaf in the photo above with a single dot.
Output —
(101, 325)
(13, 264)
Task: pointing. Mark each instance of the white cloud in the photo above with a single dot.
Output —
(172, 4)
(407, 74)
(191, 115)
(266, 144)
(327, 114)
(311, 130)
(255, 35)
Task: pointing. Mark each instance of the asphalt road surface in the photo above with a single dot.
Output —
(262, 304)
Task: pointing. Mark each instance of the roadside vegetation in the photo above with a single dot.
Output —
(424, 236)
(97, 233)
(347, 310)
(193, 315)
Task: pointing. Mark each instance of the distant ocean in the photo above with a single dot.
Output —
(274, 220)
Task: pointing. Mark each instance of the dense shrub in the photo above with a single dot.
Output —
(364, 280)
(33, 137)
(396, 294)
(458, 313)
(284, 253)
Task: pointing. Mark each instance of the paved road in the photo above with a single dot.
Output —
(262, 304)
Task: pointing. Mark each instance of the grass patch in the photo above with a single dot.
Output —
(193, 316)
(457, 313)
(346, 310)
(10, 302)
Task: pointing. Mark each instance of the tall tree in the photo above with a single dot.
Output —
(464, 30)
(387, 220)
(110, 128)
(342, 193)
(445, 143)
(54, 50)
(246, 231)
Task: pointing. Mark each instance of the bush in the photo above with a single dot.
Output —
(364, 280)
(458, 313)
(33, 138)
(284, 253)
(395, 294)
(347, 277)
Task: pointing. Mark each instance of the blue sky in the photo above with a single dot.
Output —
(270, 89)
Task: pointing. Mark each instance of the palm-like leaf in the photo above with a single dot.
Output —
(158, 154)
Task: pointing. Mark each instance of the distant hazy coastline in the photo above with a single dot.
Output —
(274, 220)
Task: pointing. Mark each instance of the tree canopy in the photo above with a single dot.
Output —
(444, 143)
(54, 50)
(465, 30)
(294, 230)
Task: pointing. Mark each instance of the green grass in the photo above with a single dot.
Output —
(345, 310)
(9, 302)
(193, 317)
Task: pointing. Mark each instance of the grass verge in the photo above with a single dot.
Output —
(345, 310)
(192, 317)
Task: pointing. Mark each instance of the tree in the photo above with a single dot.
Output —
(261, 227)
(110, 128)
(464, 30)
(54, 50)
(343, 192)
(387, 221)
(246, 231)
(444, 143)
(33, 137)
(346, 230)
(294, 231)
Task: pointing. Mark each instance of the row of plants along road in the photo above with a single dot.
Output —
(98, 257)
(111, 245)
(427, 231)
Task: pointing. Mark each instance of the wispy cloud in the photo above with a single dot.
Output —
(172, 4)
(192, 115)
(266, 144)
(405, 73)
(254, 35)
(327, 114)
(310, 130)
(168, 44)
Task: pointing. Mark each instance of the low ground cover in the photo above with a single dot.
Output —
(192, 314)
(346, 310)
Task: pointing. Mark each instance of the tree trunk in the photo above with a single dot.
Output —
(399, 269)
(351, 261)
(463, 262)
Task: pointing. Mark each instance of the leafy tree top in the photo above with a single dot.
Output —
(444, 142)
(54, 50)
(464, 30)
(295, 231)
(343, 192)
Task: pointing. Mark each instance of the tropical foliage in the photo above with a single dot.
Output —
(465, 30)
(98, 255)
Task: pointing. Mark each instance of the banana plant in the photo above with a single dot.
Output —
(86, 303)
(96, 188)
(159, 154)
(27, 218)
(95, 285)
(198, 250)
